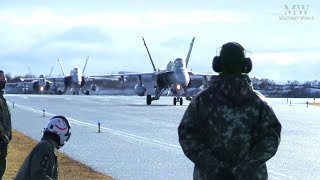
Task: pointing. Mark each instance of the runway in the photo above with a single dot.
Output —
(141, 142)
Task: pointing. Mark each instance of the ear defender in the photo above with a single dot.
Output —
(217, 64)
(233, 55)
(247, 65)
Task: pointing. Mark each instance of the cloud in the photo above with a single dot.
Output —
(286, 58)
(73, 45)
(36, 33)
(82, 34)
(36, 24)
(301, 72)
(76, 40)
(123, 19)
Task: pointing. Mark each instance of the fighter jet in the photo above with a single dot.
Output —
(175, 79)
(42, 84)
(76, 81)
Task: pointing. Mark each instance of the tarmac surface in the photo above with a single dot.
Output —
(141, 142)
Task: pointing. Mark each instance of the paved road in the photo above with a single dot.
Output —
(141, 142)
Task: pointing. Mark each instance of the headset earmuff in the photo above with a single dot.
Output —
(247, 65)
(217, 64)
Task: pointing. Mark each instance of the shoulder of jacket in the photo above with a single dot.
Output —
(44, 146)
(203, 93)
(2, 101)
(2, 105)
(262, 98)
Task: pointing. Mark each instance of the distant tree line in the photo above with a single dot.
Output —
(292, 89)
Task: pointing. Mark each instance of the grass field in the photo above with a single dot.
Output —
(21, 145)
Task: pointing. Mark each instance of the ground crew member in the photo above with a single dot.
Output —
(41, 163)
(5, 126)
(229, 131)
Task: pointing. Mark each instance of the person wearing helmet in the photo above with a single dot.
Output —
(5, 126)
(41, 163)
(229, 131)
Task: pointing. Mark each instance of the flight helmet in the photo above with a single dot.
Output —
(58, 129)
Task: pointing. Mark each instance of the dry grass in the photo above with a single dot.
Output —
(21, 145)
(315, 104)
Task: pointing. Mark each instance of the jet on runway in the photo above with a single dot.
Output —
(175, 78)
(40, 85)
(76, 81)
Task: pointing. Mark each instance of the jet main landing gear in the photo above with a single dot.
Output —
(175, 100)
(149, 99)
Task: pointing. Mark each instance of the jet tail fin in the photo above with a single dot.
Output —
(51, 71)
(85, 65)
(189, 52)
(154, 68)
(61, 67)
(30, 71)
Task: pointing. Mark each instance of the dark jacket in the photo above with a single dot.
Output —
(40, 164)
(229, 131)
(5, 121)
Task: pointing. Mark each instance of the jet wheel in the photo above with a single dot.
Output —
(174, 101)
(181, 101)
(148, 99)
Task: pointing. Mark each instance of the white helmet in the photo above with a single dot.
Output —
(59, 125)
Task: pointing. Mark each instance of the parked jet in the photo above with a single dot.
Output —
(76, 81)
(176, 79)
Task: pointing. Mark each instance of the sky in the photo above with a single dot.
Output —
(35, 33)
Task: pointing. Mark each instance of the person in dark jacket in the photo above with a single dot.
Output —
(41, 163)
(229, 131)
(5, 126)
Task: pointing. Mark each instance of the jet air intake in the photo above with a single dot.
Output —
(24, 90)
(94, 87)
(140, 90)
(39, 88)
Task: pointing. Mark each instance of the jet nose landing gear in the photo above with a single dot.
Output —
(175, 100)
(149, 99)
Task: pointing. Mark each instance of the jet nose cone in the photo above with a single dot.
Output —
(182, 80)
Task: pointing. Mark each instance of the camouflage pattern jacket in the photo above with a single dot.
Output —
(229, 131)
(5, 121)
(41, 163)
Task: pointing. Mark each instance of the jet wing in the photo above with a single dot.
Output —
(18, 83)
(48, 79)
(31, 79)
(200, 74)
(102, 76)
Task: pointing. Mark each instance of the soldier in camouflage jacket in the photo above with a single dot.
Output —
(229, 131)
(5, 126)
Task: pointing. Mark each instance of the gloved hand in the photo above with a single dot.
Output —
(4, 139)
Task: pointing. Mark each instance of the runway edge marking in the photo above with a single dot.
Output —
(117, 132)
(124, 134)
